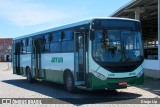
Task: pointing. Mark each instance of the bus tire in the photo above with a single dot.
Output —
(69, 82)
(29, 75)
(112, 91)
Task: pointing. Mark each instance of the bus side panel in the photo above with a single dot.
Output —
(25, 60)
(54, 64)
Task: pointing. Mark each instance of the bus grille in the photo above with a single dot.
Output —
(121, 69)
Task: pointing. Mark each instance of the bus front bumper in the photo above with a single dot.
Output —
(115, 83)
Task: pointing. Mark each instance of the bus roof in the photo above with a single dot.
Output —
(68, 26)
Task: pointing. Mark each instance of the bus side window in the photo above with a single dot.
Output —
(67, 41)
(46, 43)
(29, 44)
(64, 42)
(23, 46)
(55, 45)
(70, 41)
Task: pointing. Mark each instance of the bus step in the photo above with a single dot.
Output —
(83, 87)
(38, 79)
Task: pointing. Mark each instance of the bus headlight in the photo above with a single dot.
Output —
(99, 75)
(140, 73)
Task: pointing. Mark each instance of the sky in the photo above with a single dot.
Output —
(22, 17)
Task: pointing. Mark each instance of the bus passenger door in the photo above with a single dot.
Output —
(33, 60)
(17, 58)
(39, 49)
(36, 58)
(79, 58)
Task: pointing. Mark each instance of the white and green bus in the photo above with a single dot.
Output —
(100, 53)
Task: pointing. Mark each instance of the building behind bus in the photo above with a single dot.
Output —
(5, 49)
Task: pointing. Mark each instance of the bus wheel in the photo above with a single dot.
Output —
(29, 76)
(69, 82)
(113, 91)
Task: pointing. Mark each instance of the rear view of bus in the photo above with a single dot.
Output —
(116, 56)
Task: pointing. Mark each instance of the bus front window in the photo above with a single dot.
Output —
(132, 45)
(116, 46)
(107, 46)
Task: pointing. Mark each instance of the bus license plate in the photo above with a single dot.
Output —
(122, 83)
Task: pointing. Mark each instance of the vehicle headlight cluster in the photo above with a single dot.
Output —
(99, 75)
(140, 74)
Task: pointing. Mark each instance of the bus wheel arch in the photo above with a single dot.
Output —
(68, 80)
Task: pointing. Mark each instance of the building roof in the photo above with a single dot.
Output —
(148, 16)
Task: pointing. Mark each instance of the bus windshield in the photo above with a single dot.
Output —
(117, 45)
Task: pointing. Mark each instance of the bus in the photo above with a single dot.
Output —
(94, 54)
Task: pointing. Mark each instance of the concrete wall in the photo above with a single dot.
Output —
(152, 68)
